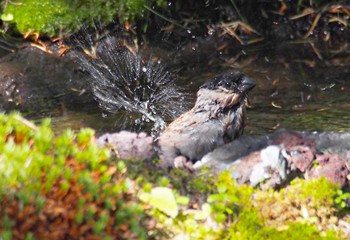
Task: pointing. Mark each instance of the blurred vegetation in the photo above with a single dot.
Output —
(65, 187)
(62, 187)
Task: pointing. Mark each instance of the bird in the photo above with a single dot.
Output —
(216, 118)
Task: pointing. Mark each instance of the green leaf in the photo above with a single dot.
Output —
(6, 17)
(214, 197)
(204, 213)
(222, 188)
(163, 199)
(182, 200)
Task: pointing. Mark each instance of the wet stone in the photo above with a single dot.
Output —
(300, 157)
(330, 166)
(273, 160)
(128, 145)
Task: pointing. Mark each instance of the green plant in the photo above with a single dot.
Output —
(64, 186)
(76, 188)
(61, 17)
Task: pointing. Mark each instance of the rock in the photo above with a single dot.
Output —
(270, 169)
(241, 170)
(223, 157)
(300, 157)
(129, 145)
(267, 166)
(290, 138)
(183, 162)
(268, 161)
(331, 166)
(331, 142)
(265, 161)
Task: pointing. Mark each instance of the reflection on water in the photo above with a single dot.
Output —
(261, 121)
(91, 116)
(296, 88)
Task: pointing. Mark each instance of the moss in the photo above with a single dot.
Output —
(73, 185)
(250, 226)
(303, 210)
(62, 17)
(67, 184)
(304, 201)
(229, 199)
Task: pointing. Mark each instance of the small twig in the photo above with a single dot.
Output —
(231, 32)
(304, 13)
(339, 20)
(131, 49)
(338, 8)
(164, 17)
(237, 11)
(313, 25)
(318, 54)
(256, 40)
(41, 47)
(26, 122)
(275, 105)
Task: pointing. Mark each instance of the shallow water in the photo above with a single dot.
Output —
(298, 87)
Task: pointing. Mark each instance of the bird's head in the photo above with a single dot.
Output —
(227, 89)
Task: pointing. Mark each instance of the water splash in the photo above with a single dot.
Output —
(122, 80)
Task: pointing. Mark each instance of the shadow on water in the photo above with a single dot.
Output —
(298, 85)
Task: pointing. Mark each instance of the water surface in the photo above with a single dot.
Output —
(298, 86)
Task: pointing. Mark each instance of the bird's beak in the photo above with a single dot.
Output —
(247, 84)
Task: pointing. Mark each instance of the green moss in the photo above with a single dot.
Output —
(319, 191)
(53, 176)
(303, 201)
(68, 177)
(19, 163)
(229, 199)
(303, 210)
(62, 17)
(250, 226)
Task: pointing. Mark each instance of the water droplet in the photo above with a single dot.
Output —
(137, 87)
(308, 97)
(307, 85)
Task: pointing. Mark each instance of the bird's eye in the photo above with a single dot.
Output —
(226, 84)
